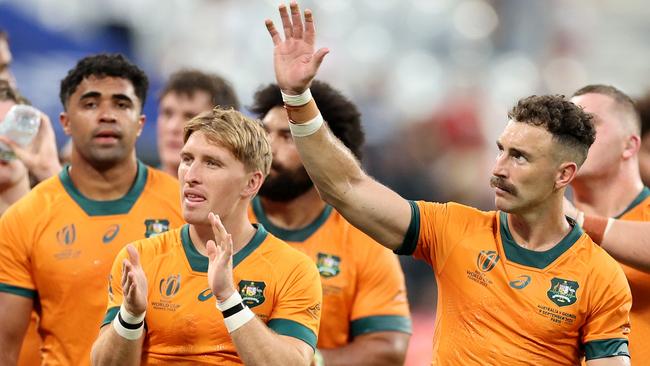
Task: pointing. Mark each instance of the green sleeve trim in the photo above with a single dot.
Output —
(110, 315)
(380, 323)
(412, 234)
(606, 348)
(294, 329)
(20, 291)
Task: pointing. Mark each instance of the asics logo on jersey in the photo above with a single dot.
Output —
(67, 235)
(110, 233)
(169, 286)
(487, 260)
(521, 282)
(205, 295)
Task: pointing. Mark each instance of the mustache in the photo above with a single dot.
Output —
(498, 182)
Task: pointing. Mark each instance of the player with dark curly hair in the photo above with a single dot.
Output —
(365, 317)
(523, 285)
(57, 244)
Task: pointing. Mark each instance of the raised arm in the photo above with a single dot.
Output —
(368, 205)
(120, 342)
(627, 241)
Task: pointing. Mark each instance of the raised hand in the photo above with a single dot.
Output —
(294, 59)
(220, 260)
(40, 156)
(134, 283)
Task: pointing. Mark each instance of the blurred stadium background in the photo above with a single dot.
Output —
(433, 78)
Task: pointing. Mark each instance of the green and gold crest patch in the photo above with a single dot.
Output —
(563, 292)
(328, 265)
(155, 227)
(252, 292)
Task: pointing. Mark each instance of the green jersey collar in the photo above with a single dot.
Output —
(119, 206)
(199, 262)
(645, 193)
(530, 258)
(299, 235)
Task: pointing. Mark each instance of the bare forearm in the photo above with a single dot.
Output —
(385, 349)
(112, 349)
(629, 243)
(257, 345)
(342, 183)
(331, 165)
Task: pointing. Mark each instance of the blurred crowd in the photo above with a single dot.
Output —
(429, 133)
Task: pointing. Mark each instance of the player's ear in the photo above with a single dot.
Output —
(253, 183)
(632, 146)
(65, 122)
(141, 121)
(565, 174)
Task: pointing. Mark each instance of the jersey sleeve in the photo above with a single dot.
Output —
(380, 304)
(297, 308)
(15, 253)
(605, 333)
(436, 228)
(114, 288)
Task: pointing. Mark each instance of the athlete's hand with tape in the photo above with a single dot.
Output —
(220, 251)
(134, 283)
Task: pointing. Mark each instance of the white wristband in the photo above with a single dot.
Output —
(235, 321)
(307, 128)
(130, 318)
(233, 300)
(296, 100)
(137, 322)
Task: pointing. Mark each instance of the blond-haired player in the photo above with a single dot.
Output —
(219, 290)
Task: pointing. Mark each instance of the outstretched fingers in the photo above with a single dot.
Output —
(286, 22)
(275, 36)
(310, 30)
(296, 20)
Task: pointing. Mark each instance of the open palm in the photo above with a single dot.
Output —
(294, 60)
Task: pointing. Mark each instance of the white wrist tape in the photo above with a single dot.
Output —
(128, 325)
(235, 313)
(296, 100)
(130, 318)
(235, 321)
(307, 128)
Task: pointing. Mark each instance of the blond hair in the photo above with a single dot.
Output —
(243, 136)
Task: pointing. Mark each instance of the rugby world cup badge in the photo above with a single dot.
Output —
(487, 260)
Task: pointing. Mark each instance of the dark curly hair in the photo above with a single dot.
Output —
(570, 126)
(188, 81)
(342, 116)
(103, 65)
